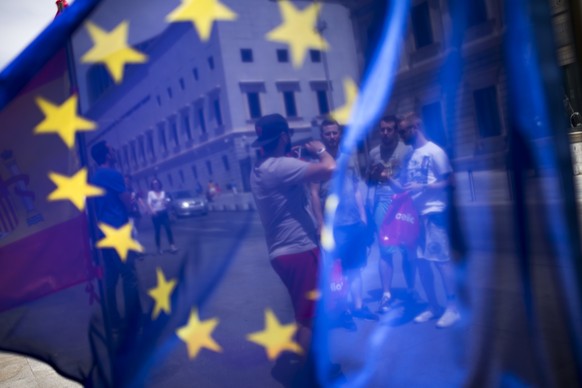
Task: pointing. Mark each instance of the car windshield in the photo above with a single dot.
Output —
(182, 195)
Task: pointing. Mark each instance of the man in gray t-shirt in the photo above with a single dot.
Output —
(279, 186)
(384, 172)
(280, 194)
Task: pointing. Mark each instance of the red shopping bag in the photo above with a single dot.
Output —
(400, 226)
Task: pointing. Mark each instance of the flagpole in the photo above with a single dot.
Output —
(96, 258)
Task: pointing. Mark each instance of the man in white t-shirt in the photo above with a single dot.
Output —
(428, 175)
(279, 186)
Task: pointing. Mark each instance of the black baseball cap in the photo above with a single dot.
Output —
(268, 129)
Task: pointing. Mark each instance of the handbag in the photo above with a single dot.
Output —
(400, 226)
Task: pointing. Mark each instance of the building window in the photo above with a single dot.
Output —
(182, 84)
(126, 156)
(186, 126)
(133, 154)
(322, 102)
(487, 112)
(99, 81)
(201, 121)
(246, 55)
(162, 138)
(225, 163)
(151, 150)
(433, 122)
(169, 92)
(195, 73)
(141, 146)
(217, 111)
(170, 180)
(182, 178)
(254, 105)
(421, 25)
(476, 13)
(252, 91)
(209, 167)
(290, 107)
(211, 63)
(120, 161)
(283, 55)
(174, 132)
(315, 56)
(195, 171)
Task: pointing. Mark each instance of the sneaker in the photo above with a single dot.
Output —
(347, 322)
(365, 313)
(384, 304)
(413, 298)
(450, 316)
(336, 375)
(173, 249)
(425, 316)
(160, 252)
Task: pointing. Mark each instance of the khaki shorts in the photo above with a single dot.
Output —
(433, 241)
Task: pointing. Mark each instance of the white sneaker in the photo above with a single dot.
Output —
(424, 316)
(385, 302)
(450, 316)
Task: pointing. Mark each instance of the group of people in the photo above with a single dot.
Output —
(290, 195)
(155, 206)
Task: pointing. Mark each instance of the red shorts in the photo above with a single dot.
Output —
(299, 272)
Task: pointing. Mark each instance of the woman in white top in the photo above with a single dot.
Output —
(157, 203)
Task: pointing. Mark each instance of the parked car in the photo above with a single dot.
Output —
(184, 203)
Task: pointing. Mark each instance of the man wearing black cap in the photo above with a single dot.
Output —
(279, 186)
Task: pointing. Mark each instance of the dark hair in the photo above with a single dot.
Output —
(156, 180)
(327, 122)
(414, 118)
(99, 152)
(390, 119)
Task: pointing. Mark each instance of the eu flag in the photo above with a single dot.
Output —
(132, 246)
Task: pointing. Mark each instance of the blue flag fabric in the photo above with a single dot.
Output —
(175, 88)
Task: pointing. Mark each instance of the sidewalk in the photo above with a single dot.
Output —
(17, 371)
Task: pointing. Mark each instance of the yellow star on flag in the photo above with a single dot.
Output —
(161, 294)
(202, 13)
(276, 338)
(343, 113)
(119, 239)
(62, 119)
(197, 334)
(111, 49)
(298, 30)
(74, 188)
